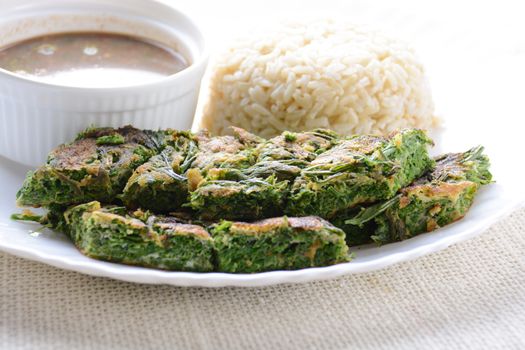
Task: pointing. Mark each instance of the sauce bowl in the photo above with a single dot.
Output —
(36, 116)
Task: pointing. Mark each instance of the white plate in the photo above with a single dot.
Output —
(32, 242)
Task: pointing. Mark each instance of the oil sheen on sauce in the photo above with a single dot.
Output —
(91, 60)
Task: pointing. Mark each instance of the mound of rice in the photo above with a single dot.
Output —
(319, 74)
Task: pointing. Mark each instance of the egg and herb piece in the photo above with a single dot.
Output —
(360, 169)
(261, 189)
(439, 198)
(282, 243)
(230, 151)
(248, 198)
(218, 187)
(95, 166)
(285, 155)
(139, 238)
(161, 183)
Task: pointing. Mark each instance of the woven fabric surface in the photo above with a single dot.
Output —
(469, 296)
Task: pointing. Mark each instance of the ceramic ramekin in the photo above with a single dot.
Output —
(35, 116)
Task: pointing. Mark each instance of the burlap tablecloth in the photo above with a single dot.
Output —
(471, 295)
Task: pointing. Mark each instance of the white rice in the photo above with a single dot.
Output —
(325, 74)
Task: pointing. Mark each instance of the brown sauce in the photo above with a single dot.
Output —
(91, 60)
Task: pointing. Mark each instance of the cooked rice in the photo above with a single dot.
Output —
(324, 74)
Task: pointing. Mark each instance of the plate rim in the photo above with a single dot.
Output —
(144, 275)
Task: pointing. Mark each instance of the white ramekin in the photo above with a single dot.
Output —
(35, 116)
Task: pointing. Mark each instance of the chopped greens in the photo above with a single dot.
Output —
(436, 199)
(178, 200)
